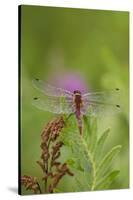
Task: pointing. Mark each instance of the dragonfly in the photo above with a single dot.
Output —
(61, 101)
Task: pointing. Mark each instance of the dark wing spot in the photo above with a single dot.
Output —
(37, 79)
(118, 106)
(35, 98)
(117, 89)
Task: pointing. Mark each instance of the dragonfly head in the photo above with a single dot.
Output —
(77, 92)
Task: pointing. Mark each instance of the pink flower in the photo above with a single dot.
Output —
(69, 81)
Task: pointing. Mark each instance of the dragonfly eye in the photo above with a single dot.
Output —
(118, 106)
(77, 92)
(35, 98)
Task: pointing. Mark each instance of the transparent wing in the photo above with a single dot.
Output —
(95, 109)
(101, 103)
(58, 105)
(50, 90)
(110, 96)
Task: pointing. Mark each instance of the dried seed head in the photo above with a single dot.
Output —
(30, 183)
(41, 164)
(52, 129)
(52, 168)
(45, 155)
(62, 170)
(50, 133)
(50, 174)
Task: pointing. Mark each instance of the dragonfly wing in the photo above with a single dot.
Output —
(101, 103)
(50, 90)
(95, 109)
(56, 105)
(109, 97)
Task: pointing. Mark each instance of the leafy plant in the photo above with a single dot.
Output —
(85, 158)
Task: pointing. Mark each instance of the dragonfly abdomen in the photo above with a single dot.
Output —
(78, 103)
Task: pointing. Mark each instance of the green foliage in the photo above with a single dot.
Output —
(99, 147)
(106, 180)
(91, 167)
(104, 164)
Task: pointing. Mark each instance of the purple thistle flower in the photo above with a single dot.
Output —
(69, 81)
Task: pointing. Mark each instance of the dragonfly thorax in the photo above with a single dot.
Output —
(77, 99)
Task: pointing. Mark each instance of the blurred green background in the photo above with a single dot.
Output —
(93, 43)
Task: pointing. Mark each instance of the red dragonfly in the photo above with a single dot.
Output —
(61, 101)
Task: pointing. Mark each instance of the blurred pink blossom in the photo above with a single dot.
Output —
(70, 81)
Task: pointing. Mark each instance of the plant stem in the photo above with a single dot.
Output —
(47, 168)
(39, 188)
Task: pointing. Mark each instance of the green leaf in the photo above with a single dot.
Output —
(80, 186)
(99, 146)
(85, 154)
(107, 180)
(105, 163)
(86, 120)
(87, 127)
(90, 132)
(71, 137)
(93, 138)
(80, 152)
